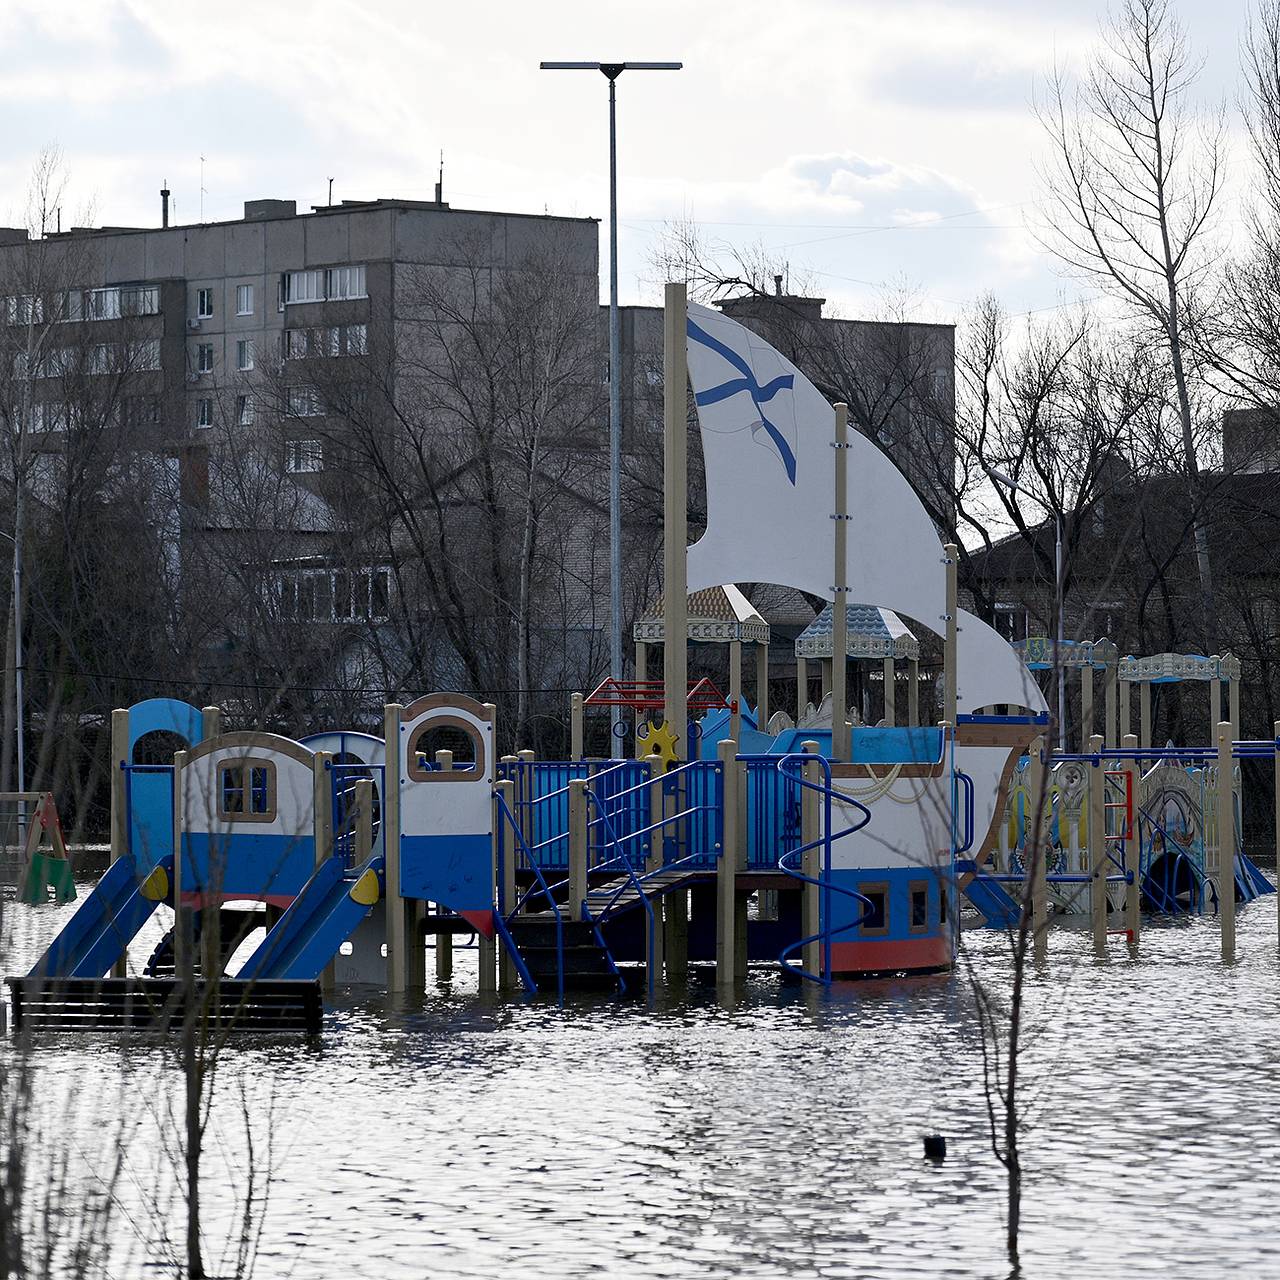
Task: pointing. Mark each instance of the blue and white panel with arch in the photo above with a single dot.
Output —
(171, 726)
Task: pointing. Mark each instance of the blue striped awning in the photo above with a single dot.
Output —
(873, 633)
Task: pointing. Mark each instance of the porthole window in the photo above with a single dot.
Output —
(440, 734)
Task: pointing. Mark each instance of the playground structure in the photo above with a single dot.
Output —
(825, 851)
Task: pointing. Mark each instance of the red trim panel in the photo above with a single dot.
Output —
(850, 959)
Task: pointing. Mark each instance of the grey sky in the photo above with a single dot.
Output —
(870, 142)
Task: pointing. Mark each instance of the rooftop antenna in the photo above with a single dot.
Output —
(440, 180)
(58, 211)
(330, 193)
(203, 192)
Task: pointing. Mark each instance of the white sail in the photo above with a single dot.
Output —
(767, 435)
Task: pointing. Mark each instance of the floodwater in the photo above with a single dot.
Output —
(777, 1136)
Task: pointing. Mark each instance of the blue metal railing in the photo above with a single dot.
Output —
(962, 782)
(823, 882)
(343, 779)
(505, 815)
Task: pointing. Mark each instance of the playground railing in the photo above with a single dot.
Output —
(823, 882)
(343, 779)
(502, 915)
(773, 811)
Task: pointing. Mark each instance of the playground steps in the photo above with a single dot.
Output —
(587, 965)
(997, 908)
(234, 926)
(156, 1004)
(615, 896)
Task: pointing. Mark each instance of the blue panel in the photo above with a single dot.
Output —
(167, 715)
(246, 864)
(908, 744)
(845, 910)
(456, 871)
(789, 740)
(150, 814)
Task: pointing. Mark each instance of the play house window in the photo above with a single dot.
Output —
(247, 791)
(445, 733)
(877, 914)
(919, 906)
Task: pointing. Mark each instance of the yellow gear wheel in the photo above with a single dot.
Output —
(659, 740)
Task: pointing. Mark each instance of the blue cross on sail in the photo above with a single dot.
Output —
(767, 435)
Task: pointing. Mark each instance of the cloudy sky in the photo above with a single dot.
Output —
(871, 144)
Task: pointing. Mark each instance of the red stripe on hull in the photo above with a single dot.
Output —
(884, 955)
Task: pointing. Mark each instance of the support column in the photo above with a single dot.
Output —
(1086, 706)
(1126, 707)
(1215, 703)
(121, 836)
(1111, 706)
(825, 665)
(1226, 844)
(1036, 849)
(951, 554)
(655, 958)
(675, 500)
(802, 687)
(444, 941)
(1144, 712)
(397, 957)
(575, 906)
(1275, 729)
(811, 864)
(577, 717)
(735, 690)
(505, 875)
(322, 838)
(642, 674)
(1133, 850)
(211, 721)
(913, 691)
(1233, 706)
(762, 687)
(840, 585)
(727, 870)
(890, 693)
(1098, 861)
(181, 917)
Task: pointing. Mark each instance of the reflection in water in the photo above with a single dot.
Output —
(777, 1135)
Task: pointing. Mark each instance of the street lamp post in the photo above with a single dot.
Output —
(611, 71)
(1009, 483)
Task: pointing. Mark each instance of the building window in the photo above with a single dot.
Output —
(344, 282)
(244, 354)
(247, 791)
(104, 304)
(304, 402)
(244, 411)
(303, 286)
(204, 304)
(357, 339)
(141, 410)
(919, 892)
(335, 595)
(145, 355)
(303, 456)
(244, 299)
(295, 344)
(204, 412)
(204, 357)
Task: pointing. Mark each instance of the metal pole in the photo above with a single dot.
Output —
(1057, 651)
(615, 424)
(19, 674)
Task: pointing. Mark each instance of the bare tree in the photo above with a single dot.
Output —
(1130, 196)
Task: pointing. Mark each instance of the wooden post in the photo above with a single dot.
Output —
(952, 554)
(811, 863)
(1111, 706)
(840, 585)
(802, 687)
(727, 869)
(675, 533)
(1035, 848)
(576, 715)
(913, 691)
(364, 821)
(444, 941)
(505, 848)
(1098, 861)
(397, 957)
(655, 952)
(1126, 699)
(890, 693)
(1086, 705)
(577, 849)
(180, 931)
(1133, 850)
(121, 836)
(1233, 706)
(1226, 844)
(762, 687)
(1144, 712)
(211, 721)
(735, 690)
(1275, 729)
(1215, 702)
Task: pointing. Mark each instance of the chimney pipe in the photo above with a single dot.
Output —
(777, 285)
(164, 204)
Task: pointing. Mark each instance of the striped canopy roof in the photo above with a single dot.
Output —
(873, 633)
(716, 615)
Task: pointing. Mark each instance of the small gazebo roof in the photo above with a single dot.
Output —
(873, 633)
(1036, 653)
(1171, 668)
(716, 615)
